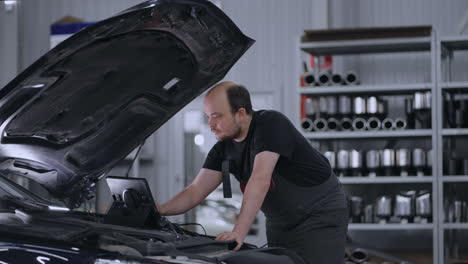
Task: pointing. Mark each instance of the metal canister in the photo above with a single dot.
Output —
(330, 155)
(344, 105)
(419, 161)
(388, 157)
(323, 105)
(332, 105)
(423, 204)
(429, 159)
(373, 159)
(372, 105)
(310, 107)
(404, 204)
(383, 207)
(369, 213)
(359, 105)
(356, 208)
(419, 101)
(403, 161)
(355, 162)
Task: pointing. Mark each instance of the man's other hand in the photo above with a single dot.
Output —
(232, 236)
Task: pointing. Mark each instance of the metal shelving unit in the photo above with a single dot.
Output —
(386, 179)
(455, 132)
(445, 52)
(390, 45)
(367, 46)
(456, 226)
(454, 85)
(455, 178)
(369, 134)
(374, 89)
(390, 226)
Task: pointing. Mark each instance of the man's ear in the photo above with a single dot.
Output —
(242, 113)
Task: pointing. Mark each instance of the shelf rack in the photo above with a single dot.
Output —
(428, 44)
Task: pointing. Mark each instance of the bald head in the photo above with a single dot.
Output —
(229, 111)
(236, 95)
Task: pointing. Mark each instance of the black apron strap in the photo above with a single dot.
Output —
(226, 179)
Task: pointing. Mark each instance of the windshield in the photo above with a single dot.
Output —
(10, 188)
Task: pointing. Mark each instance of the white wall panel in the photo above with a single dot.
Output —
(444, 16)
(8, 43)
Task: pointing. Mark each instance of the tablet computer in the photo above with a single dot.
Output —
(133, 204)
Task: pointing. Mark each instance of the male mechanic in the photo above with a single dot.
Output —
(279, 173)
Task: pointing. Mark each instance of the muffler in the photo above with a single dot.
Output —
(359, 123)
(373, 123)
(351, 78)
(400, 123)
(307, 125)
(320, 124)
(309, 79)
(324, 79)
(336, 79)
(333, 124)
(346, 124)
(388, 124)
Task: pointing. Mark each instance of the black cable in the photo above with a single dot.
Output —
(134, 158)
(194, 224)
(264, 245)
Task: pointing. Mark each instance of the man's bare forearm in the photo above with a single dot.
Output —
(182, 202)
(254, 195)
(205, 182)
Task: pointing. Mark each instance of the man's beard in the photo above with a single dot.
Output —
(236, 134)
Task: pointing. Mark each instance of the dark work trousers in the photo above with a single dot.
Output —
(311, 221)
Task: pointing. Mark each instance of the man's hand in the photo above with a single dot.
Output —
(232, 236)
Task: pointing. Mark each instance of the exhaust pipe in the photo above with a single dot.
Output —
(388, 124)
(324, 79)
(336, 79)
(359, 255)
(333, 124)
(346, 124)
(351, 78)
(359, 123)
(309, 79)
(307, 124)
(320, 124)
(400, 123)
(373, 123)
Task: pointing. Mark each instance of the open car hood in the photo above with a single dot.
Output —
(86, 104)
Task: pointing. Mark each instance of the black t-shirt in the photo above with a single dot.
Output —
(299, 162)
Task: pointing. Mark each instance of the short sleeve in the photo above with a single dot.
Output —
(275, 133)
(214, 158)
